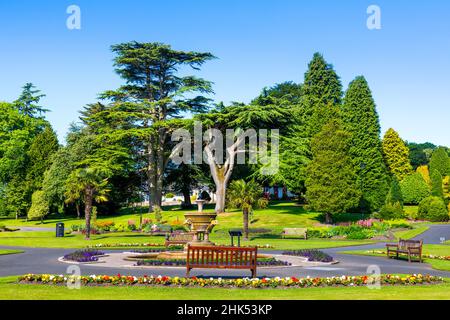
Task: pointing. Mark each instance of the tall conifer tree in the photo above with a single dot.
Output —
(396, 155)
(362, 122)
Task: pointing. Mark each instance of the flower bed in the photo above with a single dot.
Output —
(83, 256)
(120, 280)
(170, 248)
(313, 255)
(124, 245)
(428, 256)
(181, 262)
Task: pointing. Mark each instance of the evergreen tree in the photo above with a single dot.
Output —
(440, 161)
(39, 206)
(43, 147)
(425, 172)
(331, 180)
(321, 89)
(414, 189)
(28, 102)
(436, 184)
(147, 107)
(395, 193)
(362, 122)
(396, 155)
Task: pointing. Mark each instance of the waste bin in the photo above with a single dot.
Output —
(60, 230)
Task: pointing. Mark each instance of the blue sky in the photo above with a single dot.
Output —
(258, 43)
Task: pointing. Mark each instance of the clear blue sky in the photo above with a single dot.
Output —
(258, 43)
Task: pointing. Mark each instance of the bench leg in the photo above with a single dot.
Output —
(188, 271)
(253, 273)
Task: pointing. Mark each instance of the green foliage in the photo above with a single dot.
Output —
(391, 211)
(27, 103)
(396, 155)
(395, 193)
(322, 89)
(42, 148)
(414, 189)
(158, 213)
(362, 122)
(440, 162)
(433, 209)
(17, 133)
(437, 189)
(420, 153)
(331, 179)
(39, 206)
(245, 196)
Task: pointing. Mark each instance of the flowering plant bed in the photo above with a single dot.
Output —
(83, 256)
(266, 262)
(428, 256)
(312, 255)
(124, 245)
(288, 282)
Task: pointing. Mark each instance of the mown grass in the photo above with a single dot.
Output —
(434, 249)
(11, 290)
(41, 239)
(7, 252)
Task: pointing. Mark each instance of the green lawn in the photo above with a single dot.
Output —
(409, 234)
(6, 252)
(277, 216)
(434, 249)
(10, 290)
(48, 240)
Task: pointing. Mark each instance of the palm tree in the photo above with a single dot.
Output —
(246, 196)
(89, 185)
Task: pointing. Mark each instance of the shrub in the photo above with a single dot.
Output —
(391, 212)
(414, 189)
(433, 209)
(158, 213)
(311, 254)
(131, 225)
(169, 195)
(39, 206)
(105, 225)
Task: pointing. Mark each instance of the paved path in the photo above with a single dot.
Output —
(42, 260)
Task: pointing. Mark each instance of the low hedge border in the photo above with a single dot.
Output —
(120, 280)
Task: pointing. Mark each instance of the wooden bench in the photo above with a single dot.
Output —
(179, 239)
(409, 247)
(221, 258)
(295, 232)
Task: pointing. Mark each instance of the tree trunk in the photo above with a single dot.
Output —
(88, 211)
(328, 218)
(187, 197)
(77, 205)
(245, 213)
(220, 196)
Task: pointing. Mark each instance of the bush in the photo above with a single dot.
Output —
(39, 206)
(132, 225)
(391, 212)
(158, 213)
(414, 189)
(169, 195)
(433, 209)
(311, 254)
(105, 225)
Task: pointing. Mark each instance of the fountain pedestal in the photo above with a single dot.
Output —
(201, 224)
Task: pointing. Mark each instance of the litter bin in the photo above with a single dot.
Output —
(60, 230)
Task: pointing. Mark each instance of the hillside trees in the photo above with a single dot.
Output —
(440, 162)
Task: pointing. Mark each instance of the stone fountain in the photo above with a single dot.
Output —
(201, 224)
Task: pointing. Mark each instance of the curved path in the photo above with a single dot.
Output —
(42, 260)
